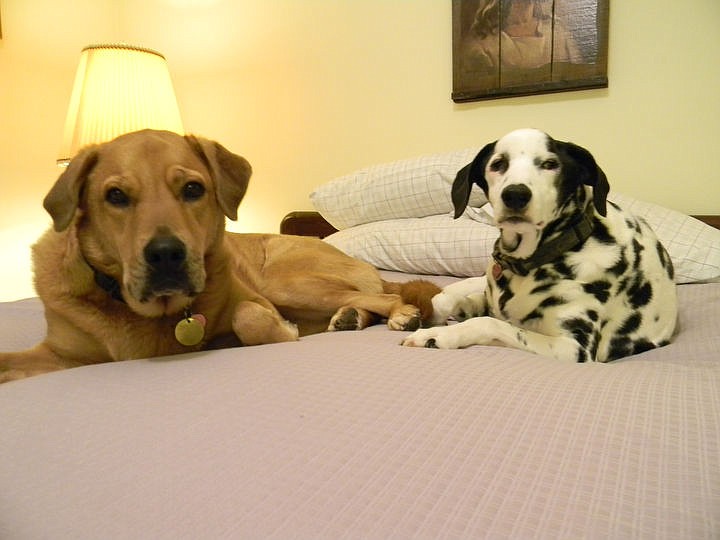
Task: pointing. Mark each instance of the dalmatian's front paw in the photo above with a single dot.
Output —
(437, 337)
(469, 307)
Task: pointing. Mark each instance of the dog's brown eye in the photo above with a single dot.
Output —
(192, 191)
(117, 197)
(498, 165)
(550, 164)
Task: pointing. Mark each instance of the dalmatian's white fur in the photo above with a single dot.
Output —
(573, 276)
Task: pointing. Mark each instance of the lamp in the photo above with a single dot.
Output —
(118, 89)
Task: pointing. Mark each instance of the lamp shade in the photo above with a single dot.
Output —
(118, 89)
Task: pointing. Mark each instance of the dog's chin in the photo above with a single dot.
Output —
(519, 224)
(161, 305)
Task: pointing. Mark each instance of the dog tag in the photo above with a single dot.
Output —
(191, 330)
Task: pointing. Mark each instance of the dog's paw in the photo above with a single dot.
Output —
(407, 318)
(291, 331)
(350, 318)
(437, 337)
(468, 307)
(346, 318)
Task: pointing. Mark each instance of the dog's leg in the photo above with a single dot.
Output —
(255, 324)
(36, 361)
(362, 310)
(485, 330)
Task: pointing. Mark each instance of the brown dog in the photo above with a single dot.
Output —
(139, 246)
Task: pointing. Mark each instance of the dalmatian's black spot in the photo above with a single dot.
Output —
(542, 288)
(581, 330)
(534, 314)
(620, 347)
(642, 295)
(593, 315)
(642, 345)
(542, 274)
(563, 270)
(637, 250)
(631, 324)
(505, 297)
(602, 234)
(624, 284)
(551, 301)
(665, 260)
(621, 266)
(599, 289)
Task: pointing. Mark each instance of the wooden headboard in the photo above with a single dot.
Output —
(309, 223)
(306, 224)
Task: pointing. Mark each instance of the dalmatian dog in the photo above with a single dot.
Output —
(573, 277)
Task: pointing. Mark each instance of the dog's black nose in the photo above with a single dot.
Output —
(165, 253)
(516, 196)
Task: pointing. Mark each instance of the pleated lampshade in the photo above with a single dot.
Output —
(118, 89)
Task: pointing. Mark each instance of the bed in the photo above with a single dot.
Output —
(349, 435)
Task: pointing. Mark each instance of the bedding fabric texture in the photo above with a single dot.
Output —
(348, 435)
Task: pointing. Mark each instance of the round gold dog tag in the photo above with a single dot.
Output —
(189, 331)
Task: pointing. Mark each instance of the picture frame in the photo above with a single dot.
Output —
(506, 48)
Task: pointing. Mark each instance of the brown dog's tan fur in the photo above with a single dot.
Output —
(116, 199)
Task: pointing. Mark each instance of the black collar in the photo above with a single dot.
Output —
(107, 283)
(572, 236)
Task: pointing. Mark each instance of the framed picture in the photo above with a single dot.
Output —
(504, 48)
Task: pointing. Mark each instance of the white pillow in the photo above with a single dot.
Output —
(438, 245)
(411, 188)
(442, 245)
(693, 246)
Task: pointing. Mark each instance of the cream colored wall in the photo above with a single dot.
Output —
(311, 89)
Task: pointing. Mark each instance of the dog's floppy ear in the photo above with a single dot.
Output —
(590, 174)
(472, 173)
(62, 200)
(230, 172)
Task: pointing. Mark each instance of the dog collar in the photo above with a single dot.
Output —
(108, 283)
(574, 235)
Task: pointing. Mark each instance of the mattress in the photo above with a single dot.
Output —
(349, 435)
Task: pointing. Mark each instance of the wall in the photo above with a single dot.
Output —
(311, 89)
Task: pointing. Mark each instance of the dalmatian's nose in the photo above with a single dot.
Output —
(516, 196)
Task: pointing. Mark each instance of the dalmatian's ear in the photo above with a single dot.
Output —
(590, 174)
(472, 173)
